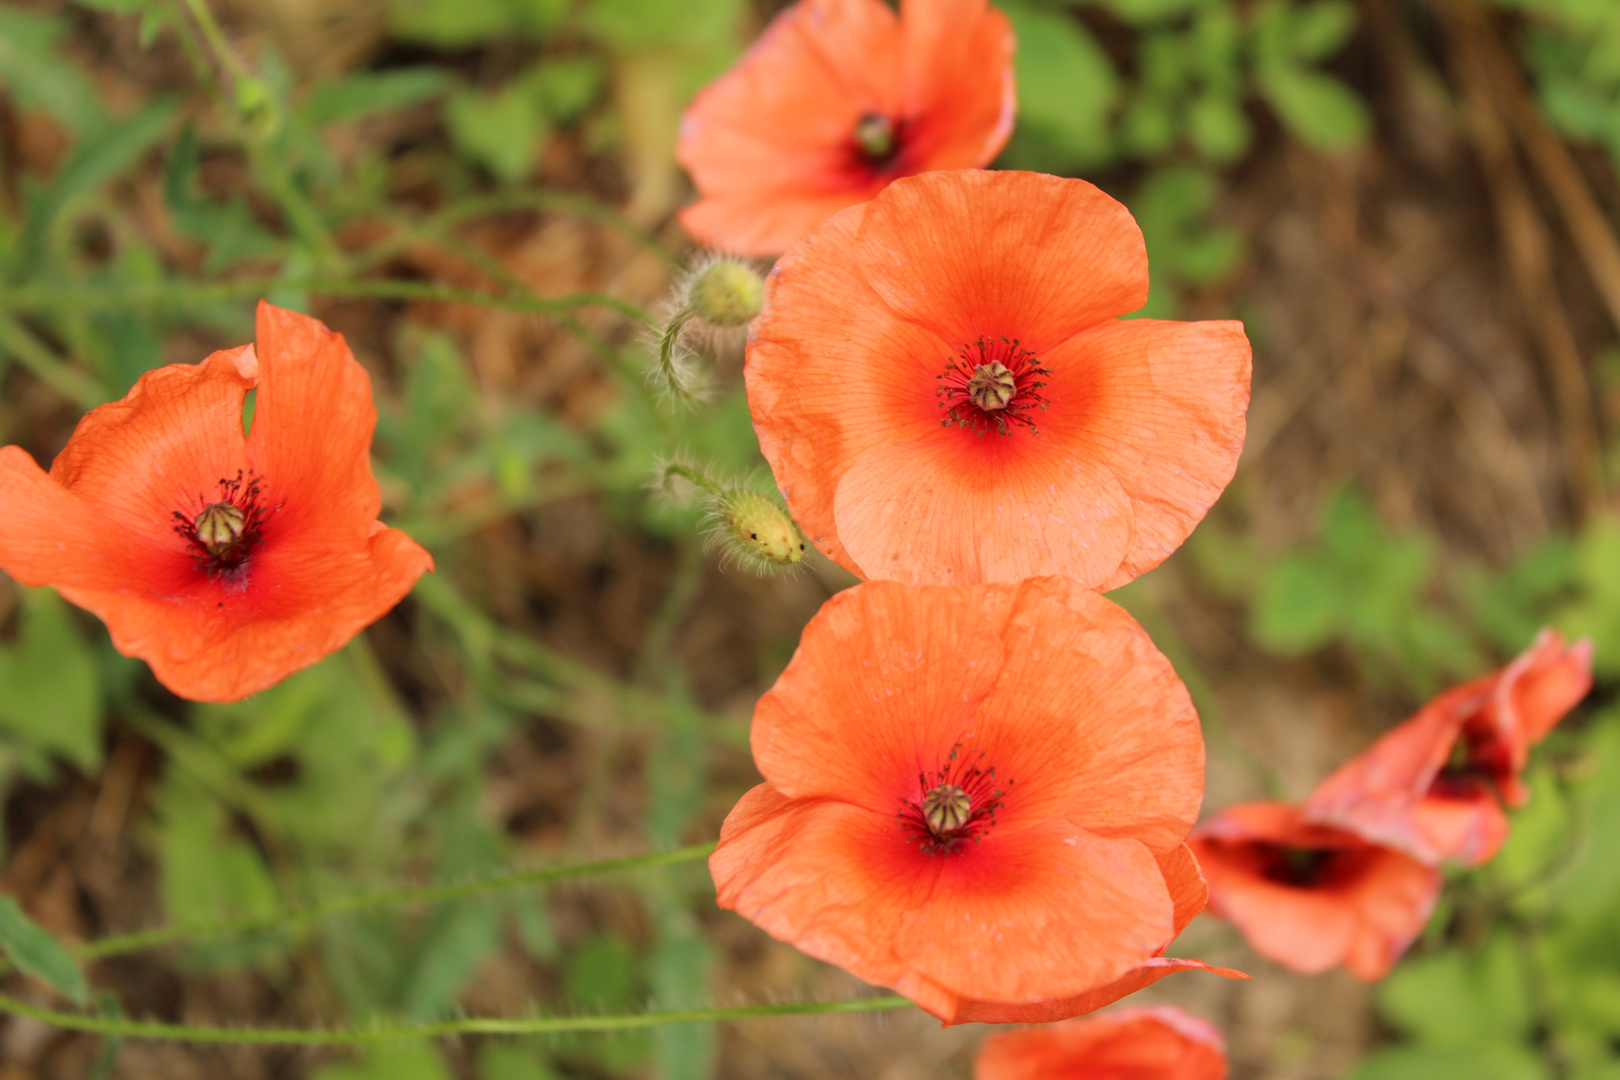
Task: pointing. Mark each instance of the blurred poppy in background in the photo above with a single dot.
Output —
(1150, 1043)
(945, 394)
(836, 99)
(1434, 786)
(1311, 896)
(971, 794)
(225, 561)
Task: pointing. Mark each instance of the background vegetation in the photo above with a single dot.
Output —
(1411, 205)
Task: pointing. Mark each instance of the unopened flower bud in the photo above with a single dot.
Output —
(219, 527)
(727, 293)
(756, 530)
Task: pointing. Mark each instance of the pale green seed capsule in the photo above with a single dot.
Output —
(756, 530)
(219, 527)
(946, 809)
(727, 293)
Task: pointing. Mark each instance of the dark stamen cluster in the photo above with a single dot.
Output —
(224, 533)
(991, 386)
(952, 805)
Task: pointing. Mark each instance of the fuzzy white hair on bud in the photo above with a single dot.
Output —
(748, 527)
(707, 314)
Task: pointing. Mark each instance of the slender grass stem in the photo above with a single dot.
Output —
(179, 294)
(433, 894)
(538, 1025)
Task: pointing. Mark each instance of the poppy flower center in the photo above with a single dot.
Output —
(991, 386)
(876, 139)
(1302, 867)
(224, 533)
(958, 803)
(1472, 768)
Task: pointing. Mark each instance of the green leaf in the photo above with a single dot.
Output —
(1218, 126)
(50, 686)
(37, 953)
(390, 1061)
(696, 25)
(31, 70)
(501, 131)
(364, 93)
(506, 1061)
(1319, 109)
(1066, 89)
(1480, 1062)
(1457, 1000)
(457, 939)
(602, 973)
(1299, 607)
(1318, 30)
(458, 24)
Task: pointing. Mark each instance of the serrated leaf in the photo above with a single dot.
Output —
(35, 952)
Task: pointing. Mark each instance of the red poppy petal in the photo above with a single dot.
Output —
(966, 511)
(312, 422)
(1035, 913)
(1393, 901)
(803, 871)
(1099, 729)
(1161, 405)
(1186, 883)
(764, 223)
(957, 82)
(815, 408)
(782, 117)
(1152, 1043)
(1045, 1012)
(884, 681)
(208, 640)
(164, 447)
(969, 253)
(49, 536)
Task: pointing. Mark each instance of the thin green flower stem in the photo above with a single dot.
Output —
(173, 294)
(539, 1025)
(692, 473)
(215, 37)
(433, 894)
(18, 342)
(504, 202)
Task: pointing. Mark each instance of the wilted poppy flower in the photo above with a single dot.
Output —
(945, 395)
(1312, 896)
(1434, 786)
(224, 561)
(834, 101)
(1151, 1043)
(972, 794)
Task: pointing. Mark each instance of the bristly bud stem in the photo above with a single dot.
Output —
(718, 296)
(750, 528)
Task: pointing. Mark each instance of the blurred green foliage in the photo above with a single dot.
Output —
(1182, 100)
(1574, 52)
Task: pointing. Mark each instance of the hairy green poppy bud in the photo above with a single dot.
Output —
(727, 293)
(755, 530)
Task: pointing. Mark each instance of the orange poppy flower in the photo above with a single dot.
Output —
(972, 794)
(945, 395)
(224, 561)
(1434, 786)
(1150, 1043)
(1312, 896)
(835, 100)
